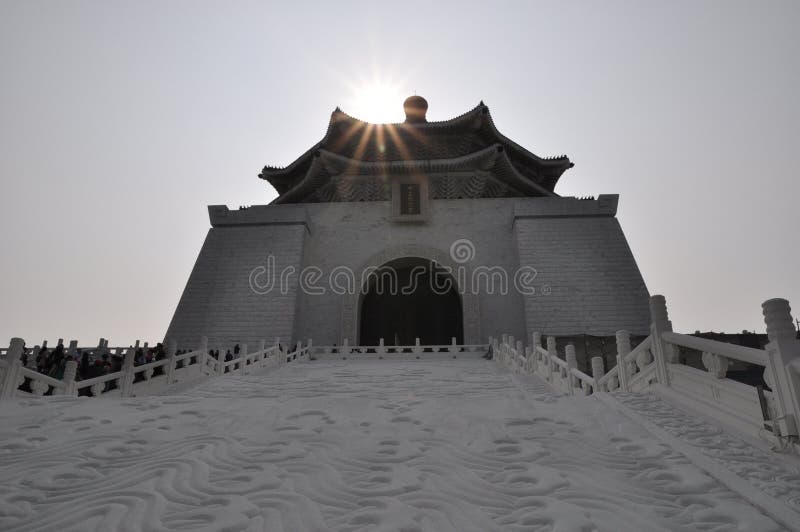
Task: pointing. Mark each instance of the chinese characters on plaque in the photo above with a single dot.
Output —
(410, 198)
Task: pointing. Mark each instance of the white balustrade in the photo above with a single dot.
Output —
(655, 361)
(130, 379)
(381, 350)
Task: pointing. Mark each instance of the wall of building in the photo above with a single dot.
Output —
(587, 280)
(218, 301)
(583, 258)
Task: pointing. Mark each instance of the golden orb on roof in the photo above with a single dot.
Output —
(415, 108)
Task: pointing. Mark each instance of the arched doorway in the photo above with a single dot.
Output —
(411, 298)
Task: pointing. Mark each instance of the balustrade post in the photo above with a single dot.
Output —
(126, 386)
(519, 354)
(572, 362)
(32, 359)
(664, 353)
(598, 372)
(381, 348)
(552, 353)
(279, 351)
(782, 373)
(172, 348)
(70, 370)
(623, 348)
(345, 348)
(243, 359)
(72, 350)
(13, 378)
(536, 339)
(262, 345)
(202, 359)
(536, 343)
(220, 361)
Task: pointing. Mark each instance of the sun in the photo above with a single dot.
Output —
(377, 101)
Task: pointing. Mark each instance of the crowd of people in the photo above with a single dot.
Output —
(53, 362)
(229, 355)
(96, 362)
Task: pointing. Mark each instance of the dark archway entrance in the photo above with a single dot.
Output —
(411, 298)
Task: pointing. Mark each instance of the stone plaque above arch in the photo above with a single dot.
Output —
(410, 198)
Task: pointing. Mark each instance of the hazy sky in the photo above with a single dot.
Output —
(120, 122)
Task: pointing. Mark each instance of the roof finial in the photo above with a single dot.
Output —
(415, 108)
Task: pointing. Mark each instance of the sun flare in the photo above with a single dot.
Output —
(378, 102)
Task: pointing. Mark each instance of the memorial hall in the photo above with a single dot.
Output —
(468, 222)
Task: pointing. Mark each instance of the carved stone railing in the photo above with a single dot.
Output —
(416, 351)
(635, 369)
(273, 356)
(654, 365)
(131, 379)
(562, 374)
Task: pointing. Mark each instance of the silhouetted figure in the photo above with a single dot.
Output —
(56, 360)
(42, 360)
(84, 367)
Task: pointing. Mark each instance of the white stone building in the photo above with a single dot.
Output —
(473, 207)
